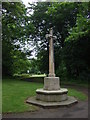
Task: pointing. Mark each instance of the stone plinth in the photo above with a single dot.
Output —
(51, 83)
(51, 96)
(68, 102)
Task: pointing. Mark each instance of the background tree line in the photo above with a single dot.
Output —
(70, 22)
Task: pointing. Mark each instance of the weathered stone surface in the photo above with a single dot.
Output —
(51, 83)
(61, 91)
(51, 96)
(69, 101)
(51, 53)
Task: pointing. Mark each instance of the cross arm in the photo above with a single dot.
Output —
(49, 36)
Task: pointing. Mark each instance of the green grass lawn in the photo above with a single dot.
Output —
(15, 92)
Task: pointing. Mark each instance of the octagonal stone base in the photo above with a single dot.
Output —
(70, 100)
(51, 96)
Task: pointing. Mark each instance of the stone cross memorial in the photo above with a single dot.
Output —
(51, 53)
(51, 94)
(51, 82)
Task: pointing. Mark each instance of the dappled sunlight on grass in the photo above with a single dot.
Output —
(29, 75)
(42, 75)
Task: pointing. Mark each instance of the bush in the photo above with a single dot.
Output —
(62, 71)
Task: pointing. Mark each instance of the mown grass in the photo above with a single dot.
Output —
(15, 92)
(79, 95)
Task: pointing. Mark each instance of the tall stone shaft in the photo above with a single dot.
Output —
(51, 55)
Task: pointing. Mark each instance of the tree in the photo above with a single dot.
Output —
(33, 67)
(77, 47)
(69, 21)
(60, 16)
(20, 62)
(14, 32)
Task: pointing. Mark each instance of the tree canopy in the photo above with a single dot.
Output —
(14, 35)
(70, 22)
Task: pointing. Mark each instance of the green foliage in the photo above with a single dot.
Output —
(33, 68)
(70, 22)
(80, 29)
(11, 16)
(42, 61)
(62, 71)
(20, 63)
(12, 19)
(77, 46)
(57, 15)
(16, 30)
(45, 16)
